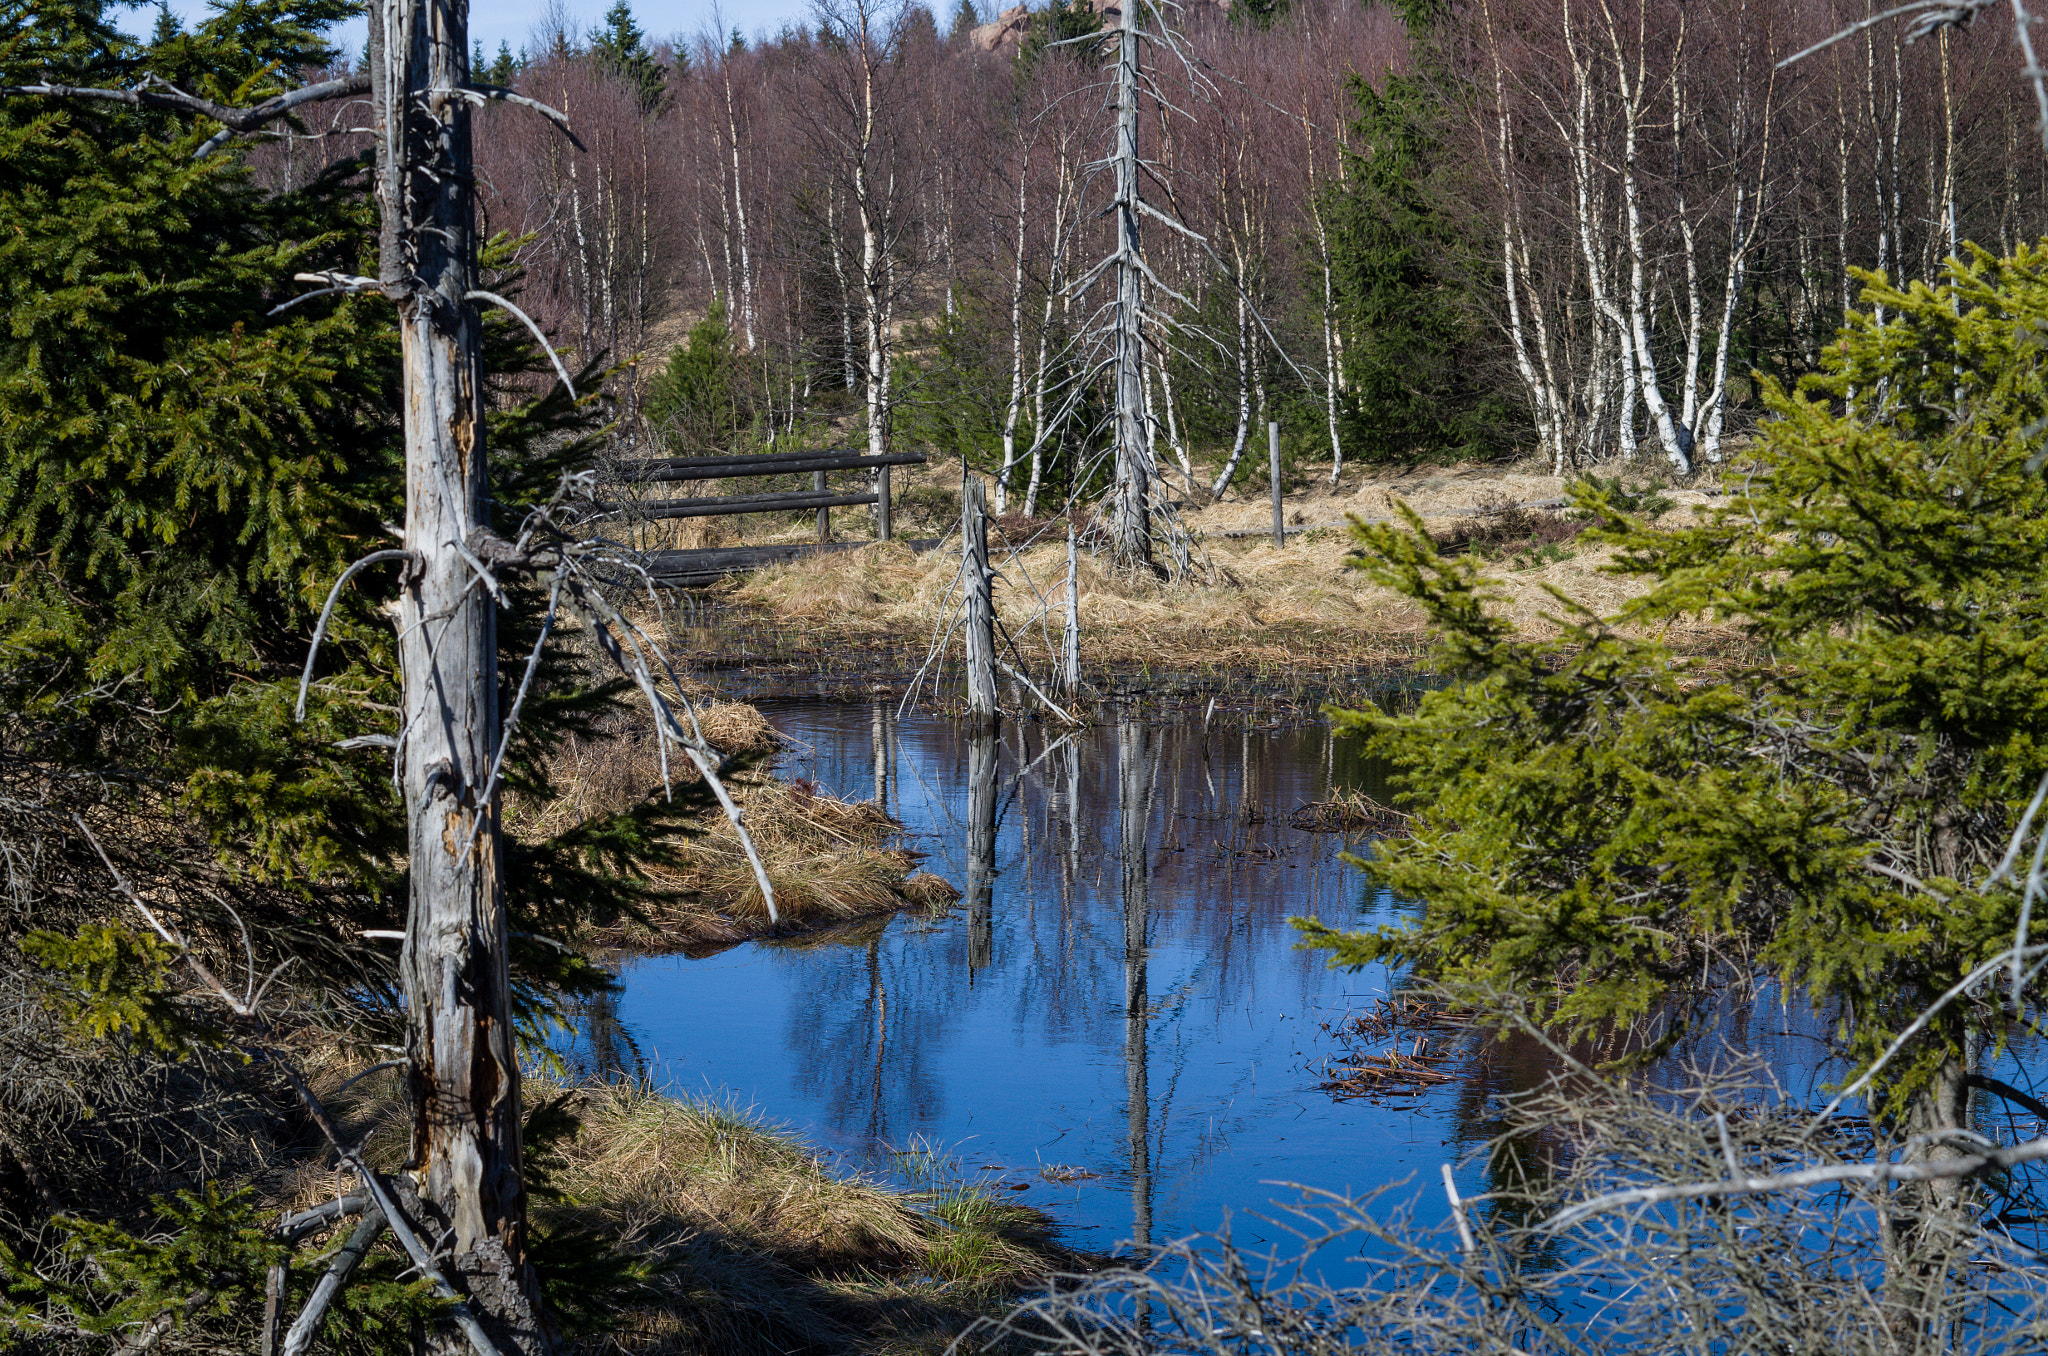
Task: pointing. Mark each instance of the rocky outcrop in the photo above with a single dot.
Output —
(1005, 35)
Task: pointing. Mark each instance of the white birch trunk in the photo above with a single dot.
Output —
(1677, 450)
(1244, 401)
(1014, 410)
(739, 201)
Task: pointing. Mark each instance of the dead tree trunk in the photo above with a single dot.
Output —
(1132, 527)
(462, 1065)
(977, 583)
(1070, 639)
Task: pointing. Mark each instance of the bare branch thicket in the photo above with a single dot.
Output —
(1719, 1214)
(1793, 1272)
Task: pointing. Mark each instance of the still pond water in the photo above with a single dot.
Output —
(1118, 993)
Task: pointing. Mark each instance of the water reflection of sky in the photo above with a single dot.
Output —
(1005, 1034)
(1155, 1026)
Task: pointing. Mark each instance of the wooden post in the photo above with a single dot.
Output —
(977, 582)
(1070, 658)
(824, 512)
(1273, 466)
(883, 527)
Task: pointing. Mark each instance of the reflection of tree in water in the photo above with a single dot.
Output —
(1134, 815)
(869, 1051)
(1109, 880)
(981, 851)
(603, 1047)
(1724, 1030)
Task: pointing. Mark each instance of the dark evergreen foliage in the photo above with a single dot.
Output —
(620, 48)
(1610, 831)
(1416, 380)
(185, 470)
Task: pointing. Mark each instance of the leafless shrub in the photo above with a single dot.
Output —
(1820, 1270)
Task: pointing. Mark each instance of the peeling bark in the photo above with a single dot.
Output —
(462, 1065)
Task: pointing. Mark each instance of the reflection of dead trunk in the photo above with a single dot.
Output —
(880, 739)
(878, 1003)
(1928, 1227)
(608, 1045)
(981, 849)
(1134, 817)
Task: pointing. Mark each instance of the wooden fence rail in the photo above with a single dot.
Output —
(660, 470)
(717, 506)
(771, 464)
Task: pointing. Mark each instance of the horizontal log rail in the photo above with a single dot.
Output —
(658, 469)
(717, 506)
(704, 564)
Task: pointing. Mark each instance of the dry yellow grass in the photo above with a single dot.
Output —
(751, 1244)
(1299, 604)
(608, 773)
(826, 858)
(764, 1248)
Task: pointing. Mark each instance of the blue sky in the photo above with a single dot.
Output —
(513, 21)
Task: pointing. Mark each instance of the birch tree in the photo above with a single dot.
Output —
(858, 118)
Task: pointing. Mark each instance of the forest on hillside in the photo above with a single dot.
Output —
(1416, 231)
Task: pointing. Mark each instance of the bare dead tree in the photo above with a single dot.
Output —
(462, 1067)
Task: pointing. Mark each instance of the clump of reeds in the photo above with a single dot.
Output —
(760, 1247)
(826, 858)
(621, 765)
(1421, 1033)
(1349, 811)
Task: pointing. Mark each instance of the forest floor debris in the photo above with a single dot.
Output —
(1420, 1034)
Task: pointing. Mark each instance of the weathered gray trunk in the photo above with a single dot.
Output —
(1070, 639)
(462, 1064)
(1131, 529)
(977, 583)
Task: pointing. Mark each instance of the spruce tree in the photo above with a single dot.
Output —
(1403, 265)
(620, 48)
(190, 452)
(1611, 831)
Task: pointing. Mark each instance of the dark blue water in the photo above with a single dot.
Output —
(1119, 993)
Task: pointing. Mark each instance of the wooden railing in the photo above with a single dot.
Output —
(656, 470)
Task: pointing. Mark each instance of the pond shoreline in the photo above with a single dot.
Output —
(749, 654)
